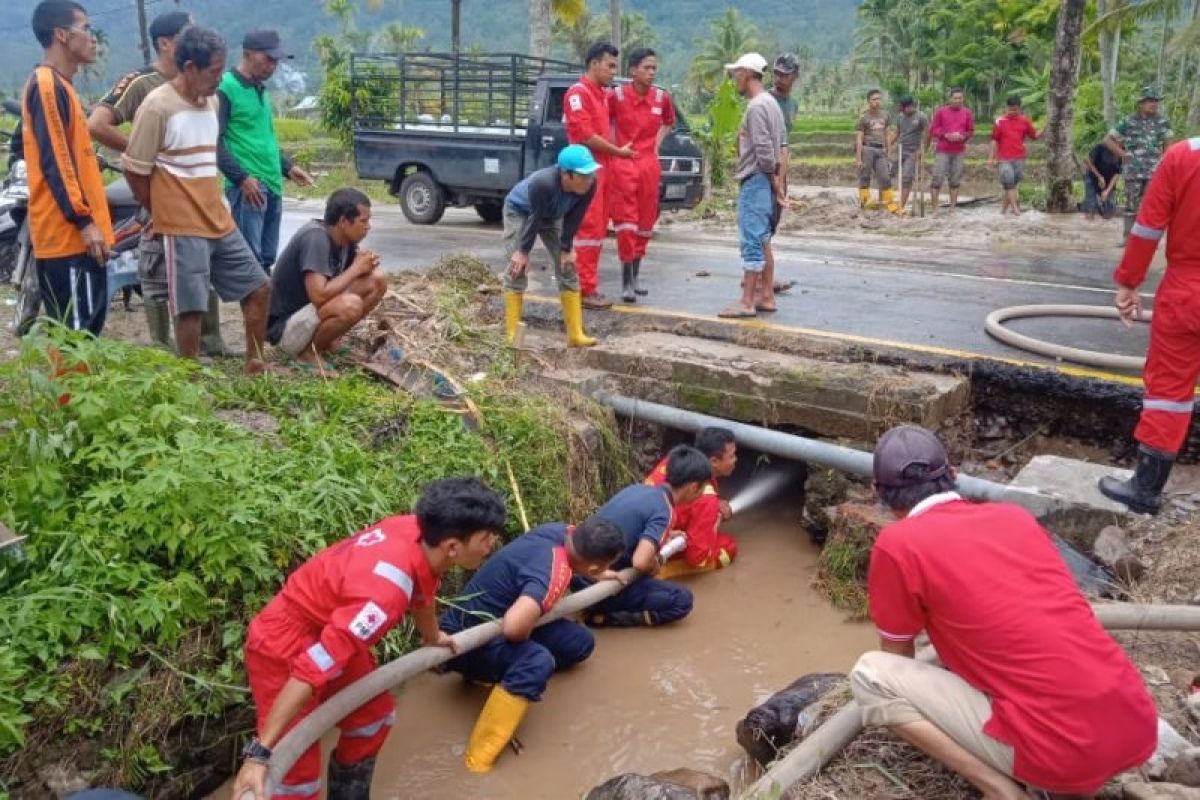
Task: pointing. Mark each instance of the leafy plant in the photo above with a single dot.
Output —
(718, 136)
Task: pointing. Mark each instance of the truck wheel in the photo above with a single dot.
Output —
(490, 211)
(421, 199)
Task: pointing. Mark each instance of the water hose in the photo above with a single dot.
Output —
(994, 325)
(819, 747)
(309, 731)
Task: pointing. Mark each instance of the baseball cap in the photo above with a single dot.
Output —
(751, 61)
(577, 158)
(786, 64)
(909, 449)
(267, 41)
(1150, 92)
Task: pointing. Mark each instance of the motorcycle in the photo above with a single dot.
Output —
(14, 194)
(122, 258)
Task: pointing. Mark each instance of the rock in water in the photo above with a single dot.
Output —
(702, 785)
(1112, 549)
(1184, 769)
(774, 724)
(639, 787)
(1159, 791)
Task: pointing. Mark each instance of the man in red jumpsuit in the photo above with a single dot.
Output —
(643, 116)
(586, 114)
(1173, 363)
(707, 548)
(315, 637)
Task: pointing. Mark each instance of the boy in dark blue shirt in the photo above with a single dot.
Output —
(517, 586)
(645, 516)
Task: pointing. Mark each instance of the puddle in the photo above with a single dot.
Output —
(647, 700)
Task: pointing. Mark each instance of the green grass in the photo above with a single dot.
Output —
(331, 179)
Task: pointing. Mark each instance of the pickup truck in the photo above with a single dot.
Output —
(461, 130)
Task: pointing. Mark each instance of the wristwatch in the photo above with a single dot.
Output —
(256, 751)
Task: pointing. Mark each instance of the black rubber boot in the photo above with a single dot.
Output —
(1142, 492)
(350, 781)
(627, 282)
(619, 619)
(637, 287)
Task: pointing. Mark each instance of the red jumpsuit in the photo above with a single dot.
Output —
(707, 548)
(585, 112)
(633, 193)
(320, 629)
(1173, 363)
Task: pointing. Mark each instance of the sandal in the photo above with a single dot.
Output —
(765, 309)
(737, 312)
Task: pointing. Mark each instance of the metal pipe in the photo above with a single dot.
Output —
(390, 675)
(786, 445)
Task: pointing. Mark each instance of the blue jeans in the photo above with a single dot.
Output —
(756, 204)
(259, 226)
(1091, 201)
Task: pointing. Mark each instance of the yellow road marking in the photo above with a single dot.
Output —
(949, 352)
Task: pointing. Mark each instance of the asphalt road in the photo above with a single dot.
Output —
(912, 293)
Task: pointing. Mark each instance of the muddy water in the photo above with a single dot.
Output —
(647, 700)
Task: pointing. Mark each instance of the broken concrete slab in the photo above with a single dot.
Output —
(1062, 493)
(756, 386)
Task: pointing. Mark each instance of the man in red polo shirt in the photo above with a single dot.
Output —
(1033, 688)
(643, 116)
(1009, 133)
(586, 114)
(707, 547)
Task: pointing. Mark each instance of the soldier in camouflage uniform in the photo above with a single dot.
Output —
(1139, 141)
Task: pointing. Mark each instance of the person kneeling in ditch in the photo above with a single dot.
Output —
(645, 515)
(517, 586)
(707, 548)
(315, 637)
(551, 204)
(322, 284)
(1033, 688)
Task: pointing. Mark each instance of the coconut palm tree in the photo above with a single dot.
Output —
(732, 35)
(1060, 105)
(543, 14)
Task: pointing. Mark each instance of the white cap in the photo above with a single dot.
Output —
(751, 61)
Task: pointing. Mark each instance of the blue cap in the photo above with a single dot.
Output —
(577, 158)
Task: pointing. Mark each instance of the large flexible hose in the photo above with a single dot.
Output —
(994, 325)
(390, 675)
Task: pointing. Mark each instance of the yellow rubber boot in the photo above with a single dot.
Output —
(864, 198)
(888, 198)
(513, 303)
(572, 307)
(497, 723)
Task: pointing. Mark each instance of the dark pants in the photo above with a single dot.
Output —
(75, 291)
(1092, 203)
(259, 226)
(524, 668)
(660, 601)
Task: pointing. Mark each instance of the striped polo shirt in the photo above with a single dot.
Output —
(174, 141)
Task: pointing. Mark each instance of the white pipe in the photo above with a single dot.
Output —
(786, 445)
(326, 716)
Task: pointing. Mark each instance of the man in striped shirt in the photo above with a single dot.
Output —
(171, 166)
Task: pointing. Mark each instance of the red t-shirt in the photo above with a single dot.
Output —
(989, 586)
(586, 114)
(1010, 134)
(638, 118)
(348, 596)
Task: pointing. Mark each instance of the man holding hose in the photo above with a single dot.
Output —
(315, 637)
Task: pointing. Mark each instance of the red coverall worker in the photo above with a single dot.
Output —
(707, 548)
(633, 194)
(320, 629)
(1173, 362)
(586, 114)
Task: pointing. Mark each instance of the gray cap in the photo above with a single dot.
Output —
(267, 41)
(909, 455)
(786, 64)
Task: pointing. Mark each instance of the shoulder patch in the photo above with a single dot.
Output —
(575, 102)
(368, 621)
(371, 537)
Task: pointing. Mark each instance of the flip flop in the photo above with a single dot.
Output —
(765, 310)
(737, 312)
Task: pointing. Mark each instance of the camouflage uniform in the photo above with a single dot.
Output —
(1144, 138)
